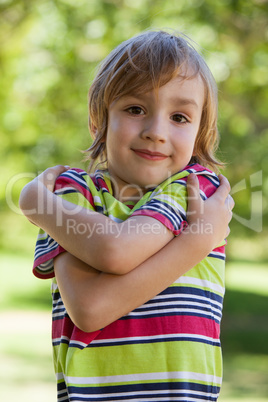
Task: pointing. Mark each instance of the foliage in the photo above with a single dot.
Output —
(50, 49)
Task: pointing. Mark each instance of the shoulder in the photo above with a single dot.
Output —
(176, 184)
(74, 177)
(208, 180)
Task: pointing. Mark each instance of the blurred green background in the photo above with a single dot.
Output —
(48, 54)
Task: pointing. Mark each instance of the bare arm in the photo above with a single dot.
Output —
(104, 248)
(95, 299)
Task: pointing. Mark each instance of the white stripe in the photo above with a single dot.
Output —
(137, 338)
(171, 310)
(42, 235)
(44, 248)
(76, 176)
(56, 340)
(170, 375)
(216, 253)
(172, 202)
(200, 282)
(154, 337)
(71, 342)
(212, 176)
(172, 216)
(151, 398)
(64, 391)
(61, 314)
(178, 303)
(203, 194)
(59, 376)
(180, 213)
(168, 211)
(63, 190)
(97, 199)
(54, 286)
(115, 219)
(182, 295)
(179, 181)
(74, 342)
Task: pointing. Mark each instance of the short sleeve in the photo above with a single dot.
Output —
(168, 205)
(168, 202)
(74, 186)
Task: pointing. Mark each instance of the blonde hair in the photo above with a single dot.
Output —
(147, 62)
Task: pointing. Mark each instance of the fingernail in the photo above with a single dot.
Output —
(192, 177)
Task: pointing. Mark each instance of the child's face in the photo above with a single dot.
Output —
(151, 137)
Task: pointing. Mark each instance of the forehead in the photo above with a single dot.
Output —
(180, 89)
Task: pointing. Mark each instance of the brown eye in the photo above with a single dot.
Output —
(135, 110)
(179, 118)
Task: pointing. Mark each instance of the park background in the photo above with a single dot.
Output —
(49, 51)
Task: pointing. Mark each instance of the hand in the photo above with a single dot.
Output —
(210, 217)
(50, 175)
(33, 195)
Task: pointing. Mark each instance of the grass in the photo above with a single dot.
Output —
(26, 368)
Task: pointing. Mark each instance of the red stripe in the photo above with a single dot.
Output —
(102, 184)
(156, 215)
(65, 327)
(44, 258)
(65, 181)
(206, 186)
(138, 328)
(176, 324)
(220, 249)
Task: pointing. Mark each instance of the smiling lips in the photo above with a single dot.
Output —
(146, 154)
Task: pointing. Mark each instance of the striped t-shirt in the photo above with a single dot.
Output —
(167, 349)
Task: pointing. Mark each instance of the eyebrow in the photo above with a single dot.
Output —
(184, 101)
(178, 101)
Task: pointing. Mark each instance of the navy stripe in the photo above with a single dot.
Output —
(219, 256)
(76, 176)
(174, 215)
(212, 316)
(67, 191)
(174, 307)
(179, 298)
(177, 289)
(149, 387)
(141, 341)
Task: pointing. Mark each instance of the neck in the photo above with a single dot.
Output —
(125, 192)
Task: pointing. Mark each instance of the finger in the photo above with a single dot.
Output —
(53, 172)
(230, 202)
(194, 199)
(224, 188)
(192, 185)
(58, 169)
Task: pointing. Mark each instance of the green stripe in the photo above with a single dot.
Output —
(141, 358)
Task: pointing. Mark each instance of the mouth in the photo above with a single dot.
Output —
(146, 154)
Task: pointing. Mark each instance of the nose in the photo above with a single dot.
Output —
(155, 129)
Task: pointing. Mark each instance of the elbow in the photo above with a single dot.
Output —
(27, 202)
(114, 259)
(89, 320)
(23, 200)
(114, 267)
(86, 325)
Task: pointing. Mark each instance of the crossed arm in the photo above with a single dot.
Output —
(94, 299)
(136, 239)
(118, 248)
